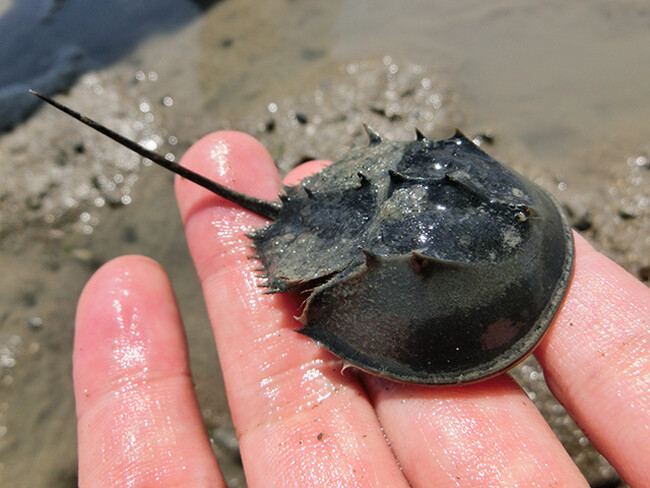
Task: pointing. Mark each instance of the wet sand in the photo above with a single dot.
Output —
(561, 88)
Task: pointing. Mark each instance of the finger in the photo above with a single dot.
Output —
(596, 360)
(306, 169)
(138, 418)
(300, 422)
(484, 435)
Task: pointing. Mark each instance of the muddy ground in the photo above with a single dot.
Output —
(71, 200)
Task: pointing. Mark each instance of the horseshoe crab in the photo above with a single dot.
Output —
(424, 261)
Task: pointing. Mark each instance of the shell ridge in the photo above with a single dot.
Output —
(373, 136)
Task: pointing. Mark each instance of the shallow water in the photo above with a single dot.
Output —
(560, 86)
(46, 45)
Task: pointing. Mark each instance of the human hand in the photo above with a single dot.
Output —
(300, 422)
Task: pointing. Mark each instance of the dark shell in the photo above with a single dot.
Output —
(430, 262)
(427, 262)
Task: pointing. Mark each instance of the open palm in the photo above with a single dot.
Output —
(300, 421)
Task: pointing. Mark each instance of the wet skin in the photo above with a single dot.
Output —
(301, 422)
